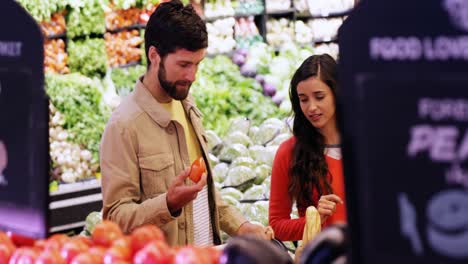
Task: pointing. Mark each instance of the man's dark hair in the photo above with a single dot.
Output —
(173, 26)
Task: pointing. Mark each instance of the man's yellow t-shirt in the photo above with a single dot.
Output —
(203, 231)
(178, 114)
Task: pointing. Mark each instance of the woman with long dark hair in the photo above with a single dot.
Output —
(307, 169)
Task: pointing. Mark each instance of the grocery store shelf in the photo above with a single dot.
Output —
(211, 19)
(128, 65)
(56, 36)
(137, 26)
(281, 12)
(71, 204)
(61, 228)
(325, 41)
(76, 201)
(66, 188)
(248, 14)
(254, 201)
(307, 15)
(229, 54)
(90, 36)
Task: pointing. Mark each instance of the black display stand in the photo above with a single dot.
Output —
(24, 138)
(404, 117)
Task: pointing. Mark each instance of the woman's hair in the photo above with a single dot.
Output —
(309, 170)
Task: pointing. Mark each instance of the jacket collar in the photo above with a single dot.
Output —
(155, 110)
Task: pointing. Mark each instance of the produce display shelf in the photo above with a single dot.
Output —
(128, 65)
(236, 15)
(281, 12)
(71, 203)
(325, 41)
(248, 14)
(254, 201)
(89, 36)
(307, 15)
(117, 30)
(211, 19)
(55, 36)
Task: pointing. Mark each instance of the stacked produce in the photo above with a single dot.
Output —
(221, 36)
(88, 57)
(246, 32)
(304, 33)
(277, 5)
(218, 8)
(242, 163)
(56, 25)
(124, 78)
(116, 19)
(81, 115)
(280, 32)
(325, 29)
(273, 72)
(301, 6)
(86, 18)
(70, 161)
(249, 7)
(43, 10)
(107, 244)
(55, 57)
(222, 93)
(329, 48)
(325, 7)
(123, 47)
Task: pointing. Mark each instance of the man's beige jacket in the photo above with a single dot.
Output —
(142, 151)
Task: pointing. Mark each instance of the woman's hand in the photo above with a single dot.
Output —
(327, 206)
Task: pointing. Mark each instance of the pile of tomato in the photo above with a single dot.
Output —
(145, 245)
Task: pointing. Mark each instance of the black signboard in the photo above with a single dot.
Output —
(23, 124)
(404, 116)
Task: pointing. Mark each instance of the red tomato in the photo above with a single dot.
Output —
(212, 254)
(156, 252)
(25, 255)
(50, 257)
(197, 169)
(120, 251)
(4, 239)
(20, 240)
(190, 255)
(86, 258)
(85, 240)
(72, 248)
(98, 251)
(56, 242)
(145, 234)
(105, 233)
(40, 244)
(6, 251)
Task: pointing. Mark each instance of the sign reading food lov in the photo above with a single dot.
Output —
(403, 111)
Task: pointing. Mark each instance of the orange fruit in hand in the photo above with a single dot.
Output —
(197, 169)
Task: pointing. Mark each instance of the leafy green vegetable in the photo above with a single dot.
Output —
(85, 18)
(88, 57)
(43, 10)
(124, 4)
(222, 93)
(125, 78)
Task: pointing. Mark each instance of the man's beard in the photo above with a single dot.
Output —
(171, 87)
